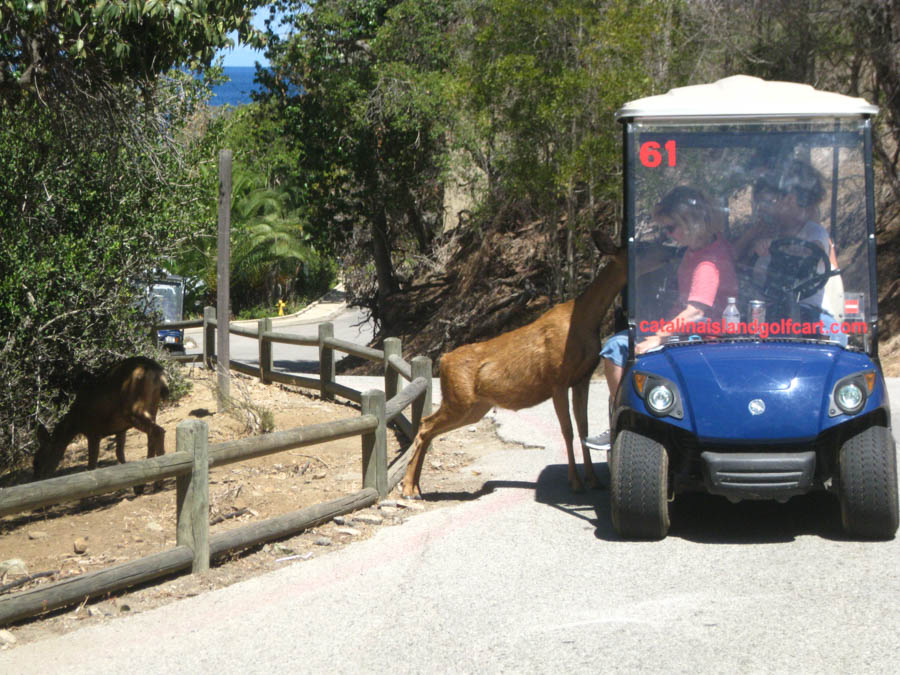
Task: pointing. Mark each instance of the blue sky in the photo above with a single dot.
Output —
(242, 55)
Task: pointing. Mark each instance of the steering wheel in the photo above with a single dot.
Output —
(794, 265)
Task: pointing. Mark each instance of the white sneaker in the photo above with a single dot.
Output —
(598, 442)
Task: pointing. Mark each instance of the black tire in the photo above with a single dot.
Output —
(868, 484)
(639, 501)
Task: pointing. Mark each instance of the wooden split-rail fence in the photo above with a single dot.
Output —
(194, 456)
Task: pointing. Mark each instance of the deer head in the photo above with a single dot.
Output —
(604, 243)
(49, 453)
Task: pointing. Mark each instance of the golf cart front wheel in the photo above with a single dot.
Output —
(868, 484)
(640, 481)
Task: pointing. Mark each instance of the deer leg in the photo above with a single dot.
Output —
(158, 440)
(120, 447)
(444, 420)
(155, 442)
(409, 486)
(93, 451)
(561, 405)
(580, 393)
(155, 434)
(432, 426)
(159, 434)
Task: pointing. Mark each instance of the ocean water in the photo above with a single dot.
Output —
(237, 90)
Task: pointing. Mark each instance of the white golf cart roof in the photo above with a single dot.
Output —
(745, 96)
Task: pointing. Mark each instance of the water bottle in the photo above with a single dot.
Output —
(731, 317)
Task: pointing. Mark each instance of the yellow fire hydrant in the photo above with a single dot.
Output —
(281, 305)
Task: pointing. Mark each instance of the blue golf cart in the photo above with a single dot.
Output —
(166, 296)
(781, 392)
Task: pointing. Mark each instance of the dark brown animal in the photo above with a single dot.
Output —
(126, 396)
(526, 366)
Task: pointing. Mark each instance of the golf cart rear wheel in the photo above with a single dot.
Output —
(868, 484)
(640, 481)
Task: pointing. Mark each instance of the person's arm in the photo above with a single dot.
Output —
(692, 313)
(750, 235)
(756, 238)
(701, 298)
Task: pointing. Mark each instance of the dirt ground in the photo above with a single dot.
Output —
(889, 353)
(71, 539)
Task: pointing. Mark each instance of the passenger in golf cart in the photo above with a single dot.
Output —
(785, 202)
(705, 277)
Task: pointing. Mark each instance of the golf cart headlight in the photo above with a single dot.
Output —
(850, 397)
(850, 394)
(660, 399)
(661, 396)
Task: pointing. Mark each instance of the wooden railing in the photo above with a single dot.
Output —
(193, 457)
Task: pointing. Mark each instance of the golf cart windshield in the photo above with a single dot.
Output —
(166, 299)
(774, 214)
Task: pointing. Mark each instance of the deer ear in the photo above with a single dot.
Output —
(604, 243)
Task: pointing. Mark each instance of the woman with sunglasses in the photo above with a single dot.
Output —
(706, 276)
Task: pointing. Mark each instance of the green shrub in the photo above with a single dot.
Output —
(92, 201)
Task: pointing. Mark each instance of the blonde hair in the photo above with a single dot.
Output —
(692, 210)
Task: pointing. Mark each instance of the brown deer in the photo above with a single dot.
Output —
(126, 396)
(526, 366)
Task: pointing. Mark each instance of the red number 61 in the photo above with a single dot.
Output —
(652, 157)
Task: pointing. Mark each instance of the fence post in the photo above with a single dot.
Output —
(209, 336)
(223, 281)
(192, 493)
(421, 407)
(326, 360)
(265, 350)
(392, 347)
(374, 444)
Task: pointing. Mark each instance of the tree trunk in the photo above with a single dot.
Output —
(416, 223)
(384, 269)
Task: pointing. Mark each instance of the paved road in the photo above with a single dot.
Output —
(526, 577)
(349, 324)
